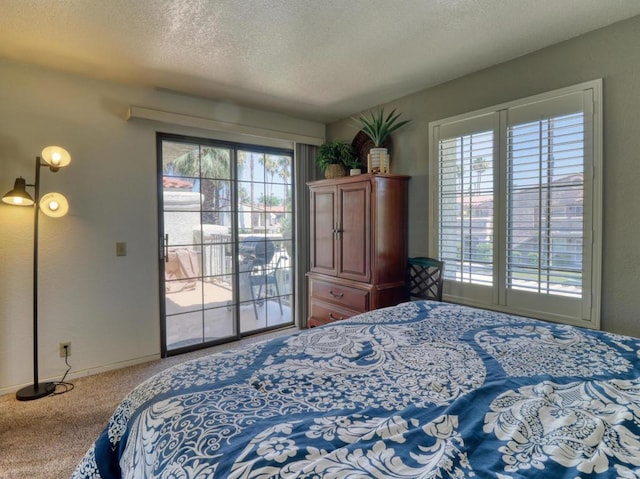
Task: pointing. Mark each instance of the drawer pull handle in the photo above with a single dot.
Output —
(336, 295)
(333, 318)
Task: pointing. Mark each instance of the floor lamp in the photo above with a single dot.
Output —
(54, 205)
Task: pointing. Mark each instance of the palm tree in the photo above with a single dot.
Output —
(270, 168)
(212, 167)
(480, 165)
(284, 171)
(244, 158)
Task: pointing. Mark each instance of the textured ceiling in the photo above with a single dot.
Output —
(314, 59)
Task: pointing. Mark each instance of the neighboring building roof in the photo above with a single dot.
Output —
(168, 182)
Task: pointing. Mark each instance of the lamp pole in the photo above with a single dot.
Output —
(37, 390)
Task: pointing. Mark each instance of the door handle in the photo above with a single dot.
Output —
(337, 231)
(164, 248)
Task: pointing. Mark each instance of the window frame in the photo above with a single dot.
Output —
(498, 297)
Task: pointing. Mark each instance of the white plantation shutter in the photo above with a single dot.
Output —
(465, 160)
(545, 214)
(516, 205)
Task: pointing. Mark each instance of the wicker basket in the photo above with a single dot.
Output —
(334, 171)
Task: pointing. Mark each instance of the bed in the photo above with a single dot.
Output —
(420, 390)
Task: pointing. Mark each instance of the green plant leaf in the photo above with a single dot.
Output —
(378, 127)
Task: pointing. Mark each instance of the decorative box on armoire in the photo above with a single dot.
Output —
(358, 245)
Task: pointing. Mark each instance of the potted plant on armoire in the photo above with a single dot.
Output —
(333, 156)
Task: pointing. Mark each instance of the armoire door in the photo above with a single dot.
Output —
(354, 231)
(323, 229)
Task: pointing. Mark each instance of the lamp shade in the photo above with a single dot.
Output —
(54, 205)
(56, 156)
(18, 195)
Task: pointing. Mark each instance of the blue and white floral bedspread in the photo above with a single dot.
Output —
(421, 390)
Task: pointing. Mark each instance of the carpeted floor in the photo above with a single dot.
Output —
(46, 438)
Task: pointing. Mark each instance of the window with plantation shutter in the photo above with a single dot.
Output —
(545, 205)
(516, 205)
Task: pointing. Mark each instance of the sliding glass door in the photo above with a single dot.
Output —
(226, 239)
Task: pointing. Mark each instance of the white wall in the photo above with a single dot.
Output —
(107, 306)
(611, 53)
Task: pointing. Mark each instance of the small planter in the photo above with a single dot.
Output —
(378, 160)
(334, 171)
(354, 171)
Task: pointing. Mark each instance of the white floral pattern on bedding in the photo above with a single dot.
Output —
(421, 390)
(557, 350)
(579, 425)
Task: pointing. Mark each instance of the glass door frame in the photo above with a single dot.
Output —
(234, 148)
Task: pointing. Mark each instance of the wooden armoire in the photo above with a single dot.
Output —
(358, 245)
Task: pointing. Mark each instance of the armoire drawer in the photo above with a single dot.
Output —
(323, 313)
(352, 298)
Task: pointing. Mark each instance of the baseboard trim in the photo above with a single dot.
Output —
(87, 372)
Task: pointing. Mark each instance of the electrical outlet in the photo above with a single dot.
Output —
(65, 349)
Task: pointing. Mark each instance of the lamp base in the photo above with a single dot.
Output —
(29, 393)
